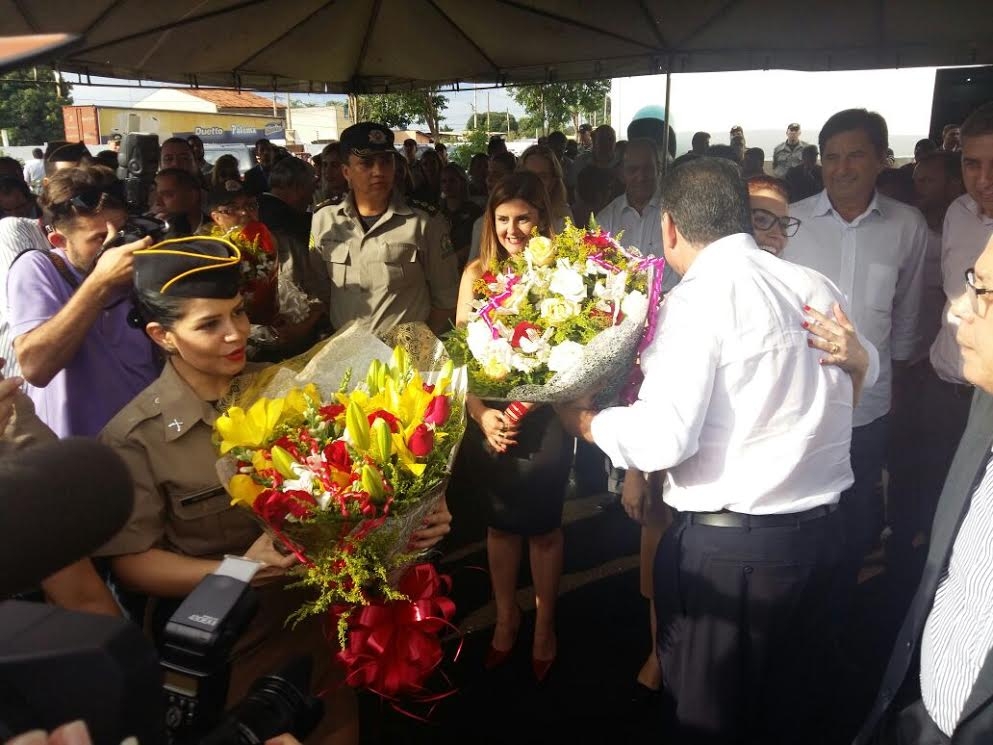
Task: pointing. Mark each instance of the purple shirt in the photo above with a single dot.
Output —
(113, 364)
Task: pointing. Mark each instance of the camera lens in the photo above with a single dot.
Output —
(276, 704)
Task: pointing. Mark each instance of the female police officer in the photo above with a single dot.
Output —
(182, 525)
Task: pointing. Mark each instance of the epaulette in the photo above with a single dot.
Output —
(146, 405)
(429, 207)
(329, 202)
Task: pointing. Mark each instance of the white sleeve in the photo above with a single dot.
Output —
(662, 428)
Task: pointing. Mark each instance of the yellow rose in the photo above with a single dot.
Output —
(540, 251)
(558, 310)
(495, 369)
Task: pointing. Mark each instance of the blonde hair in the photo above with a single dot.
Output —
(557, 197)
(522, 185)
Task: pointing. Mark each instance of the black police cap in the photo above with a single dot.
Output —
(198, 266)
(366, 138)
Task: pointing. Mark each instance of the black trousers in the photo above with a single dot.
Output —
(923, 439)
(745, 625)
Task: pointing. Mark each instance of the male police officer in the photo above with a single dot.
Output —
(388, 262)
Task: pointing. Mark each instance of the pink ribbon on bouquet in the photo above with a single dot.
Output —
(495, 302)
(657, 266)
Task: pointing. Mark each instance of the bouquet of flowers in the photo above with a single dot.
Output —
(558, 319)
(259, 269)
(342, 477)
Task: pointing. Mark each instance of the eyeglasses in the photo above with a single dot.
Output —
(970, 279)
(764, 220)
(248, 209)
(94, 199)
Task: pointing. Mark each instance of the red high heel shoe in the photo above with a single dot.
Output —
(540, 667)
(496, 657)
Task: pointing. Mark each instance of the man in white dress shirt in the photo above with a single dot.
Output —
(754, 434)
(636, 213)
(873, 248)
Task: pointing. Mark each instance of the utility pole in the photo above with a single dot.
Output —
(475, 109)
(508, 120)
(488, 127)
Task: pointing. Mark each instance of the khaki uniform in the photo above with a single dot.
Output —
(165, 437)
(395, 273)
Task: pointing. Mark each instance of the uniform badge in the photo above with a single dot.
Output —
(377, 137)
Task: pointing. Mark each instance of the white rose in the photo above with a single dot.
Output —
(635, 305)
(565, 356)
(478, 337)
(557, 311)
(568, 283)
(524, 363)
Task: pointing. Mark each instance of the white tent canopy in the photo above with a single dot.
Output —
(376, 45)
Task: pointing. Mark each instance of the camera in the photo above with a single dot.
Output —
(57, 666)
(136, 228)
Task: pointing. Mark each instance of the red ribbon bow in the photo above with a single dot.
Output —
(393, 646)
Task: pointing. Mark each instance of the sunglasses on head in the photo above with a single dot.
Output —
(94, 198)
(764, 220)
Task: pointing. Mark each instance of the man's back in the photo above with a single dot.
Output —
(774, 425)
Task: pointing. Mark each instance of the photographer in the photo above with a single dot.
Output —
(68, 308)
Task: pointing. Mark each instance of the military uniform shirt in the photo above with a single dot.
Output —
(165, 437)
(395, 272)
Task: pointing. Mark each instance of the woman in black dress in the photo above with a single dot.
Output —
(523, 465)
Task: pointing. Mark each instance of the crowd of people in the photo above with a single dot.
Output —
(822, 324)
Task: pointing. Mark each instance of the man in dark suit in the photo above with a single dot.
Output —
(948, 623)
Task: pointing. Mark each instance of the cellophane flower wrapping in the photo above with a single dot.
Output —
(560, 319)
(259, 269)
(341, 453)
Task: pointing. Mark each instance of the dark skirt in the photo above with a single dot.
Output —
(523, 488)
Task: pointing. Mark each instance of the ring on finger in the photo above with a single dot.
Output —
(835, 348)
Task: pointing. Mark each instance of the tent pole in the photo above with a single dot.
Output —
(668, 118)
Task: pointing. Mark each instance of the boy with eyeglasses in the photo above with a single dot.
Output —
(68, 308)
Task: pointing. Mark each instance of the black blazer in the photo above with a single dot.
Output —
(976, 724)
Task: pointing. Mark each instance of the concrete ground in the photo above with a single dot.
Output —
(603, 639)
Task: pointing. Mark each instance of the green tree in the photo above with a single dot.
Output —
(400, 110)
(555, 105)
(31, 106)
(475, 142)
(497, 119)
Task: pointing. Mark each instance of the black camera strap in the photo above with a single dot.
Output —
(58, 262)
(63, 269)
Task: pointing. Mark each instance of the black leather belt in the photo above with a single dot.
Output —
(726, 519)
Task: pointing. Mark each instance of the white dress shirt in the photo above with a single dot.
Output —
(17, 234)
(735, 406)
(643, 231)
(878, 262)
(958, 634)
(932, 299)
(963, 237)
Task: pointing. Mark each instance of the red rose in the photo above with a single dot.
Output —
(274, 506)
(520, 330)
(388, 417)
(600, 240)
(421, 441)
(428, 387)
(437, 411)
(332, 411)
(336, 455)
(489, 278)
